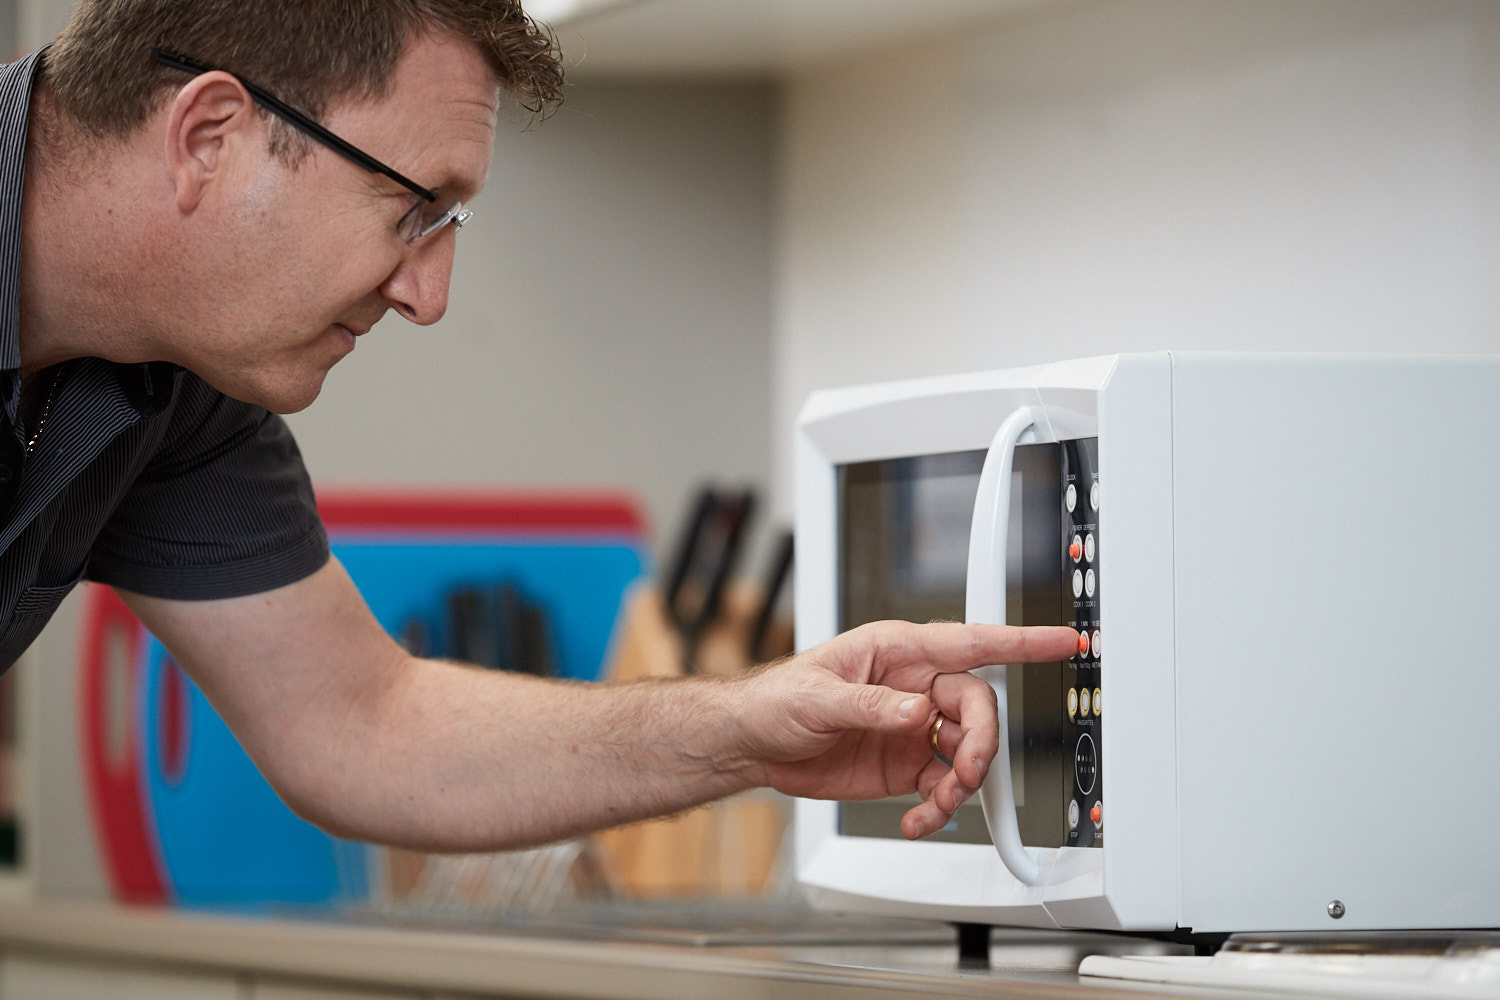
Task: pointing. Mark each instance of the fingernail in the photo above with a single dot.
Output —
(905, 710)
(959, 797)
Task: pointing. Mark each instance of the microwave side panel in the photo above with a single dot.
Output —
(1335, 599)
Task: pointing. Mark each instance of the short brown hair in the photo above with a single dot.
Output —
(309, 53)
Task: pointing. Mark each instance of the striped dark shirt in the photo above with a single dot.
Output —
(143, 476)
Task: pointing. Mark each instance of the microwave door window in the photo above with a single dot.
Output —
(904, 545)
(903, 553)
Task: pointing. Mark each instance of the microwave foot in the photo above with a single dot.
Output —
(1206, 945)
(973, 945)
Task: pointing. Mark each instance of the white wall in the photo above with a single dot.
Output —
(1107, 175)
(35, 22)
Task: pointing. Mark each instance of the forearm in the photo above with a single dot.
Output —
(453, 758)
(373, 744)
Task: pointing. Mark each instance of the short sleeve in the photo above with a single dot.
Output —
(223, 509)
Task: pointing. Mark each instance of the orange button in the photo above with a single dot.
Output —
(1075, 551)
(1096, 814)
(1083, 644)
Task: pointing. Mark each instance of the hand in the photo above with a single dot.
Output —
(850, 719)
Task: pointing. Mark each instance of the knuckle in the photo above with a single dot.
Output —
(867, 699)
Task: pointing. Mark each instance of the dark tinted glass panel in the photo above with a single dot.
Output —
(904, 535)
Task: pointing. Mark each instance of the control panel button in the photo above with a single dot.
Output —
(1078, 583)
(1098, 702)
(1083, 702)
(1072, 814)
(1071, 497)
(1076, 550)
(1083, 644)
(1088, 584)
(1085, 764)
(1095, 646)
(1072, 703)
(1093, 496)
(1097, 814)
(1088, 546)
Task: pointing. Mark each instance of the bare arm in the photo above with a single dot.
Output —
(371, 743)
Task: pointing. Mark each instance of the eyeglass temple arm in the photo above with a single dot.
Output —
(301, 121)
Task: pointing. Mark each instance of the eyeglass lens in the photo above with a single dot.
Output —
(425, 218)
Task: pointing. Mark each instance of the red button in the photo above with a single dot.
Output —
(1075, 551)
(1083, 644)
(1096, 814)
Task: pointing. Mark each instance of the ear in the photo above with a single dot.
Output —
(211, 120)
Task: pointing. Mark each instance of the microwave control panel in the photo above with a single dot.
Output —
(1079, 549)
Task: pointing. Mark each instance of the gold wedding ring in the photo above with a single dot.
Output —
(932, 740)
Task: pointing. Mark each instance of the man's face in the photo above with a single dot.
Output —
(309, 258)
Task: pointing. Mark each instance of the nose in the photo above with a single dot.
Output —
(418, 286)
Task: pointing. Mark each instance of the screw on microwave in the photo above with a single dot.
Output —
(1335, 909)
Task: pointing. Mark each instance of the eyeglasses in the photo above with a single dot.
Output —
(426, 216)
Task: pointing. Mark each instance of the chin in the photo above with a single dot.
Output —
(283, 397)
(292, 400)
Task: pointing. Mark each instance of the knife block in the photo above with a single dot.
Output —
(727, 848)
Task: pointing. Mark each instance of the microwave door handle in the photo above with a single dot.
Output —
(985, 602)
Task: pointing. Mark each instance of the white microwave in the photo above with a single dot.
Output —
(1286, 566)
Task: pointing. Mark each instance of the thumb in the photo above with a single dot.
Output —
(880, 709)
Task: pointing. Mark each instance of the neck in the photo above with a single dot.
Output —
(83, 258)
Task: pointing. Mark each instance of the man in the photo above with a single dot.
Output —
(187, 257)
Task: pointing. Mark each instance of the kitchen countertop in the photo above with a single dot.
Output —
(607, 952)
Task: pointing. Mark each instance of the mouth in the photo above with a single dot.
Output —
(349, 334)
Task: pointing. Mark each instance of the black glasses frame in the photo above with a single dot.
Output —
(296, 118)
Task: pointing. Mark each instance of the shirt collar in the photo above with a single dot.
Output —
(16, 82)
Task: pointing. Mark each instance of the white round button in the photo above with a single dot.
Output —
(1073, 814)
(1083, 702)
(1072, 702)
(1093, 497)
(1078, 583)
(1072, 498)
(1088, 583)
(1088, 546)
(1098, 702)
(1095, 647)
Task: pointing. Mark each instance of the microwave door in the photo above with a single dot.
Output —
(903, 531)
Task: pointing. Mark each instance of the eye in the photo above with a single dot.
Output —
(410, 226)
(427, 217)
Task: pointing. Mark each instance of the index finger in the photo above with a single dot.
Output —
(954, 647)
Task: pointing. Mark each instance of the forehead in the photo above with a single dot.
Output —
(437, 123)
